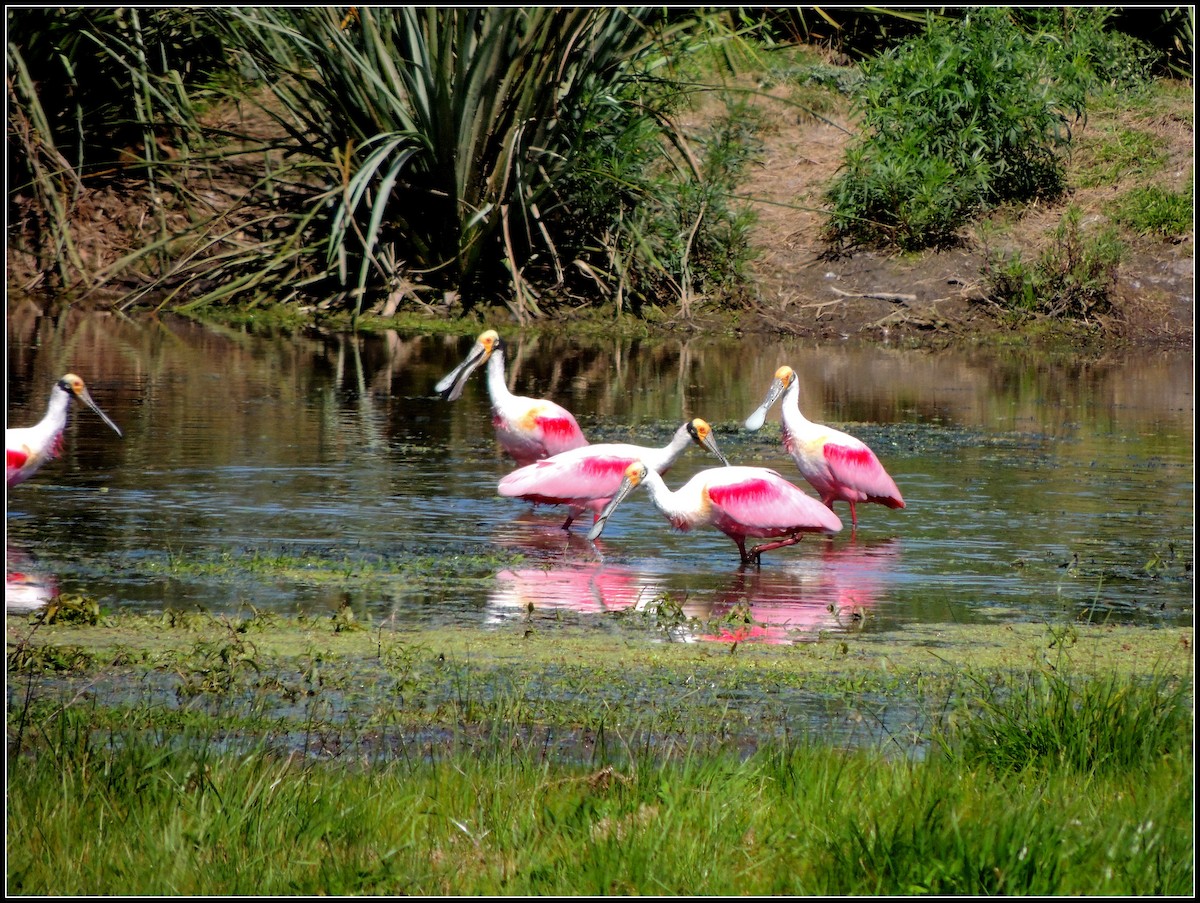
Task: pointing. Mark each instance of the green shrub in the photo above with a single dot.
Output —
(1073, 278)
(972, 114)
(1089, 51)
(954, 122)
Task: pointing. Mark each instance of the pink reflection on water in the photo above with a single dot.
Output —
(830, 586)
(586, 587)
(26, 587)
(564, 573)
(830, 591)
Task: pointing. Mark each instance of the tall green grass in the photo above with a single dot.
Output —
(1089, 791)
(1047, 721)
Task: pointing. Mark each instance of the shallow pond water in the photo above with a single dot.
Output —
(302, 472)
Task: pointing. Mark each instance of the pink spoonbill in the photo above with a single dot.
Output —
(528, 429)
(28, 448)
(588, 477)
(837, 465)
(737, 500)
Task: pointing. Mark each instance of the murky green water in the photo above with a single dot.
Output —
(1036, 488)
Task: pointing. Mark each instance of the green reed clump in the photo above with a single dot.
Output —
(505, 812)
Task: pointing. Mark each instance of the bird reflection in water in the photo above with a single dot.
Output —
(564, 573)
(26, 586)
(833, 592)
(833, 589)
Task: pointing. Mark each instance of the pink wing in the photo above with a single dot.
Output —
(15, 460)
(557, 482)
(559, 431)
(766, 502)
(856, 467)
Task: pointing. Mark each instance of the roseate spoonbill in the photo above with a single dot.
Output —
(28, 448)
(588, 477)
(837, 465)
(739, 501)
(529, 429)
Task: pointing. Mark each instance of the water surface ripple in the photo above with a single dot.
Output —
(257, 466)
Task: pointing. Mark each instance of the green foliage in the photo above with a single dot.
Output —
(1180, 23)
(1073, 277)
(453, 164)
(669, 228)
(71, 608)
(1156, 211)
(97, 95)
(506, 814)
(377, 153)
(972, 114)
(1089, 50)
(1048, 720)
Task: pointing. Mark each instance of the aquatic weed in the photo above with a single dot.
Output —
(71, 608)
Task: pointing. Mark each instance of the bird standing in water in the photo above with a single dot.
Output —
(529, 429)
(737, 500)
(837, 465)
(28, 448)
(588, 477)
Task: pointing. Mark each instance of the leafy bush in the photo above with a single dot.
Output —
(649, 225)
(972, 114)
(1088, 50)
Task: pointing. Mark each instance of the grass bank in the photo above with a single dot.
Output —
(188, 754)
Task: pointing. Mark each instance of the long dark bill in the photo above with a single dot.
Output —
(627, 486)
(86, 398)
(451, 385)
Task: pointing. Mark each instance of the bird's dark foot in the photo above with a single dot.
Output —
(757, 551)
(752, 557)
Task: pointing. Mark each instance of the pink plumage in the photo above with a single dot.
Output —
(837, 465)
(528, 429)
(565, 480)
(588, 477)
(739, 501)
